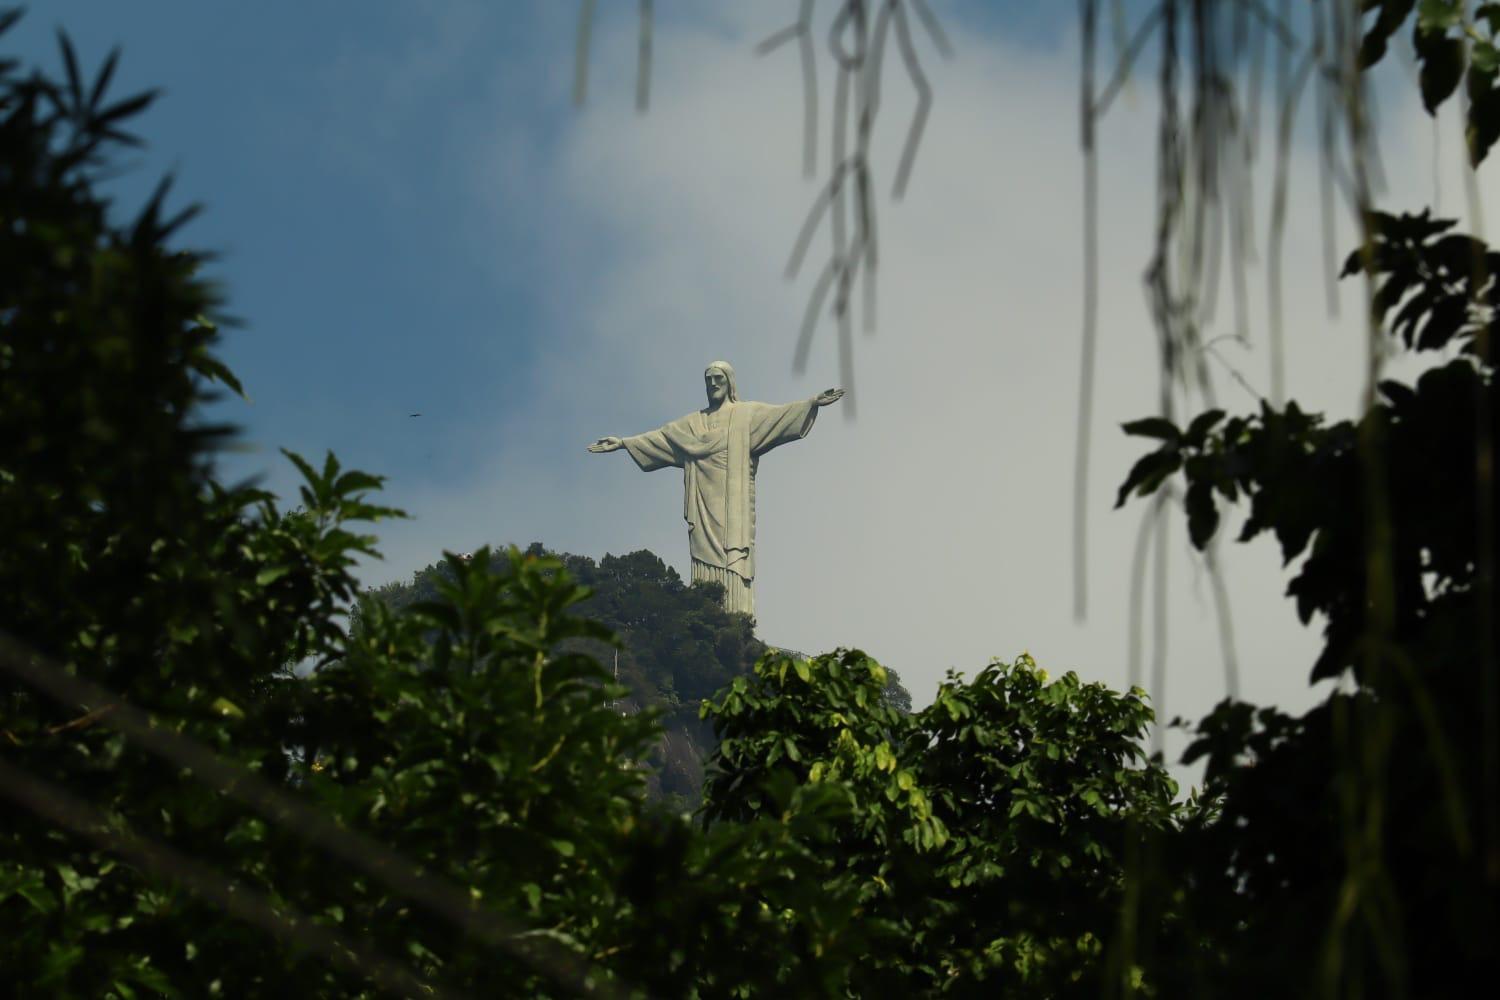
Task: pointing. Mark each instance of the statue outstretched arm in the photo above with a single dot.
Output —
(773, 425)
(652, 450)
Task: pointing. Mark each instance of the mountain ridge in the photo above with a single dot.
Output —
(678, 646)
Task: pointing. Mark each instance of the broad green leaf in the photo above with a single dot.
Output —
(271, 574)
(226, 707)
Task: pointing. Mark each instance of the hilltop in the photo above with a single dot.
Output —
(678, 646)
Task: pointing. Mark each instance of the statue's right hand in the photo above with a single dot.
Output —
(606, 444)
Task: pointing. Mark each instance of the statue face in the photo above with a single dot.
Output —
(716, 383)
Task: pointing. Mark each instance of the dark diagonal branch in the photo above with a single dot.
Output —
(280, 920)
(312, 824)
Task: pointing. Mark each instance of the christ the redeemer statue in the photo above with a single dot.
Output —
(718, 449)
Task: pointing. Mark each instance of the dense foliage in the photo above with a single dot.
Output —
(124, 560)
(448, 801)
(1368, 810)
(674, 645)
(985, 837)
(1355, 849)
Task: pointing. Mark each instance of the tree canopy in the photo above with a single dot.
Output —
(1355, 850)
(675, 646)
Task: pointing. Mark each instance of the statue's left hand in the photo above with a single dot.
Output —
(828, 396)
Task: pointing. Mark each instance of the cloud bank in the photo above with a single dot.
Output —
(933, 530)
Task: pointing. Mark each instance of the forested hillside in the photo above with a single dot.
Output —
(677, 647)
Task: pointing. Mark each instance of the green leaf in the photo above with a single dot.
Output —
(357, 482)
(308, 473)
(270, 575)
(226, 707)
(533, 894)
(216, 371)
(38, 895)
(149, 976)
(1484, 57)
(1437, 16)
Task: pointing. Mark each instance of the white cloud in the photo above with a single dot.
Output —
(933, 531)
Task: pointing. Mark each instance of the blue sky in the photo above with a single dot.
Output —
(413, 218)
(335, 165)
(334, 149)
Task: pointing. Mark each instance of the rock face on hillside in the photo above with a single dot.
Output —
(679, 646)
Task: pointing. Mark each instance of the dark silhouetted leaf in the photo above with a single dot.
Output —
(1202, 511)
(70, 64)
(1204, 422)
(1442, 62)
(1152, 427)
(101, 82)
(1147, 473)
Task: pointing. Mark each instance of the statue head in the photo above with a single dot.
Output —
(718, 381)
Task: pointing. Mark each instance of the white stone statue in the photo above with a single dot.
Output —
(718, 449)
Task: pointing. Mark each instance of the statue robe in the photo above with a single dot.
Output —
(718, 466)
